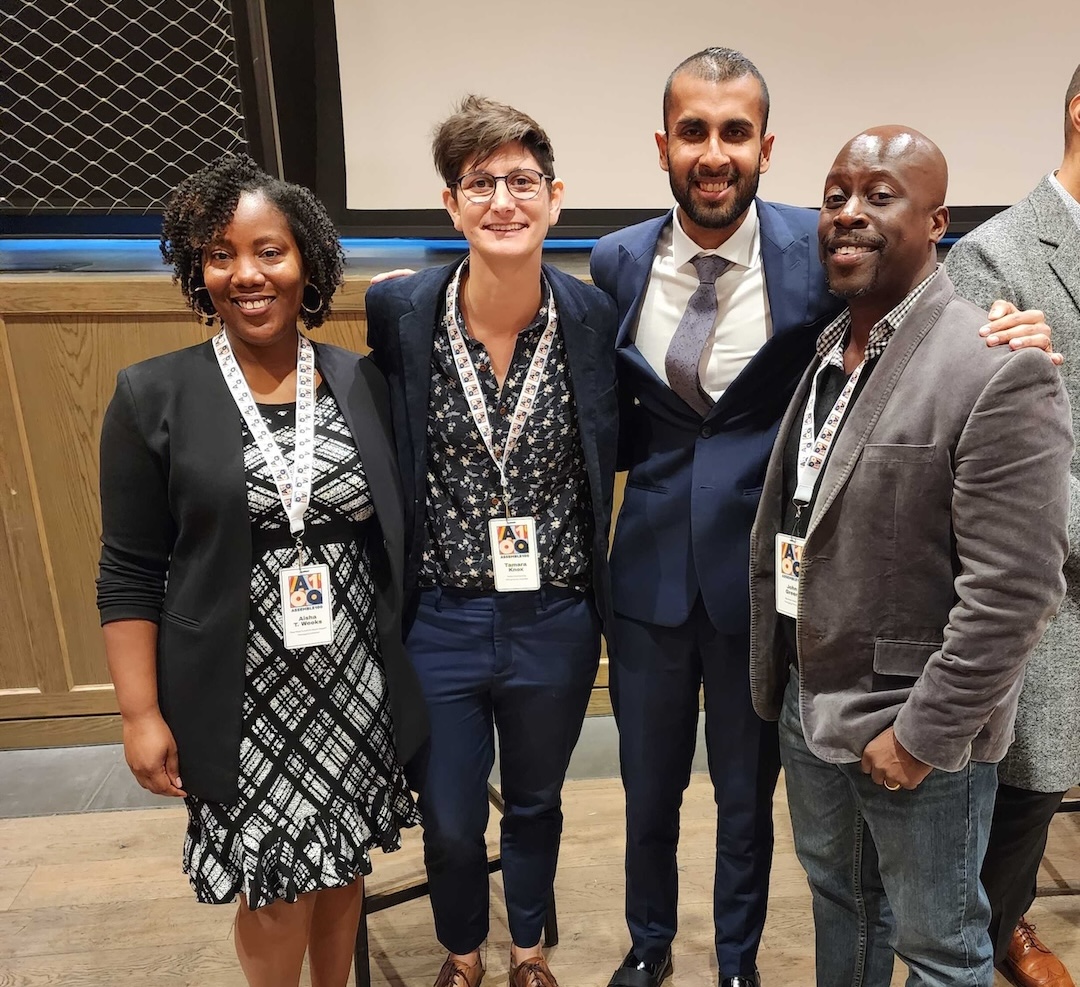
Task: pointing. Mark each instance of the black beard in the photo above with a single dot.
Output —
(745, 189)
(849, 293)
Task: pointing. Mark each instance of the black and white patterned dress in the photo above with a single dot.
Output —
(320, 783)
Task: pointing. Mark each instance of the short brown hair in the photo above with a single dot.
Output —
(478, 128)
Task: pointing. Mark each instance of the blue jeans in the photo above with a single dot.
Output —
(891, 871)
(524, 664)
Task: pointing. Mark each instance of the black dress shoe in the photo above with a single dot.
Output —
(633, 973)
(741, 980)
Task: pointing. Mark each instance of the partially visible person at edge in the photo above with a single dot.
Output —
(900, 575)
(1030, 254)
(502, 379)
(250, 584)
(720, 303)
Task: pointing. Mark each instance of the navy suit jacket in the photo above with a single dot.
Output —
(693, 484)
(403, 315)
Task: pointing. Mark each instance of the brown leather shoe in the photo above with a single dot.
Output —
(533, 973)
(1029, 963)
(455, 974)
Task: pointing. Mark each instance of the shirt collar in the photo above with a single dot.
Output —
(880, 334)
(1072, 207)
(740, 248)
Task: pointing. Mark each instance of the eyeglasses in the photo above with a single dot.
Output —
(479, 186)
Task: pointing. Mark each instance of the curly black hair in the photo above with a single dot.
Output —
(202, 205)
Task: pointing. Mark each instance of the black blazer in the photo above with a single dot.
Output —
(403, 315)
(176, 544)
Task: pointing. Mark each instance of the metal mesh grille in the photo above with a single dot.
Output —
(107, 105)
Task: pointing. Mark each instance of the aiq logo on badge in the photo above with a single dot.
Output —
(790, 557)
(513, 540)
(305, 590)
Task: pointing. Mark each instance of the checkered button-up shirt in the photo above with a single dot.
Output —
(880, 334)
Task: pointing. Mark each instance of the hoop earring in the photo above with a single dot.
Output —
(318, 308)
(208, 317)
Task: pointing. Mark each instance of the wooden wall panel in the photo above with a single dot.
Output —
(348, 329)
(60, 731)
(29, 643)
(63, 337)
(65, 368)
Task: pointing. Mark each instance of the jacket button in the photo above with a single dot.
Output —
(706, 431)
(495, 501)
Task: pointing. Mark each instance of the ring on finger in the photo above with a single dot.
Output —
(891, 788)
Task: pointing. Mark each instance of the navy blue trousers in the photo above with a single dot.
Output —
(656, 675)
(524, 664)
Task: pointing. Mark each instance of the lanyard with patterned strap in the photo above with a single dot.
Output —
(474, 394)
(814, 449)
(294, 486)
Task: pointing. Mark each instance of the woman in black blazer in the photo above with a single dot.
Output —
(251, 579)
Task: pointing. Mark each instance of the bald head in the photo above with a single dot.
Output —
(904, 148)
(882, 216)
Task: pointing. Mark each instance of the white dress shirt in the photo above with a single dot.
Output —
(743, 322)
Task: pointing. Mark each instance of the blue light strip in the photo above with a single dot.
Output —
(76, 244)
(351, 245)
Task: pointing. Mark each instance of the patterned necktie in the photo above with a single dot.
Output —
(684, 351)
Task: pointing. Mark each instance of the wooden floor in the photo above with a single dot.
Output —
(98, 900)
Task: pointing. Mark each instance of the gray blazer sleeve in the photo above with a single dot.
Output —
(980, 277)
(1010, 508)
(977, 275)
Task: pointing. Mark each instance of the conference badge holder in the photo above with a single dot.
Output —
(789, 549)
(514, 555)
(306, 609)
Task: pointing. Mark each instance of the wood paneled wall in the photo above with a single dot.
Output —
(63, 337)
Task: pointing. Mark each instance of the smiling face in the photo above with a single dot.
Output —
(505, 228)
(255, 274)
(882, 215)
(714, 151)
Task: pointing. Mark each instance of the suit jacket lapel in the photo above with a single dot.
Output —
(1057, 229)
(866, 411)
(416, 337)
(635, 267)
(219, 425)
(579, 340)
(787, 273)
(1065, 263)
(635, 264)
(350, 390)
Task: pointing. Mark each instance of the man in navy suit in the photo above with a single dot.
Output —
(695, 436)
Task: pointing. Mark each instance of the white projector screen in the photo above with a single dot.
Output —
(986, 80)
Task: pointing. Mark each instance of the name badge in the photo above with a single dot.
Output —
(306, 613)
(788, 563)
(514, 554)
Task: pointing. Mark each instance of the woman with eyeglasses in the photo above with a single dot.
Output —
(502, 380)
(250, 580)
